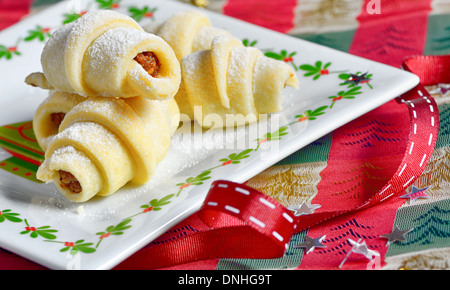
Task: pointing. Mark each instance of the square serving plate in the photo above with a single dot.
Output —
(41, 225)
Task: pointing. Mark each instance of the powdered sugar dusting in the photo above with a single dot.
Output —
(87, 24)
(191, 63)
(116, 41)
(68, 154)
(205, 36)
(83, 132)
(239, 58)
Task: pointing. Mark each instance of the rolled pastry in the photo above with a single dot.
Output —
(50, 114)
(104, 143)
(232, 84)
(105, 53)
(187, 32)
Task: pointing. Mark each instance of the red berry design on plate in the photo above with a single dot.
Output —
(140, 13)
(283, 56)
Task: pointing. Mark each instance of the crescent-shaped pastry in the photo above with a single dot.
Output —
(50, 114)
(232, 84)
(104, 143)
(187, 32)
(105, 53)
(115, 65)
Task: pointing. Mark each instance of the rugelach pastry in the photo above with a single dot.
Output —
(105, 53)
(230, 80)
(104, 143)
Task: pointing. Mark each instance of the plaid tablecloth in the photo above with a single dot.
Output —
(352, 162)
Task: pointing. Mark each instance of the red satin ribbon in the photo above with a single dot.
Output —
(245, 223)
(432, 70)
(424, 126)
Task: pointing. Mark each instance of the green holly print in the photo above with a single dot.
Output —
(236, 158)
(7, 214)
(276, 135)
(39, 33)
(283, 56)
(108, 4)
(71, 17)
(45, 231)
(139, 14)
(350, 94)
(248, 43)
(352, 80)
(311, 115)
(198, 180)
(317, 70)
(8, 52)
(78, 246)
(156, 204)
(116, 230)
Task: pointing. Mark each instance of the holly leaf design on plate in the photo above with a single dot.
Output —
(71, 17)
(139, 14)
(38, 33)
(78, 246)
(156, 204)
(197, 180)
(8, 52)
(316, 70)
(108, 4)
(311, 115)
(276, 135)
(248, 43)
(7, 214)
(236, 158)
(117, 229)
(45, 231)
(350, 94)
(283, 56)
(352, 80)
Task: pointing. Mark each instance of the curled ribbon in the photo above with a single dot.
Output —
(245, 223)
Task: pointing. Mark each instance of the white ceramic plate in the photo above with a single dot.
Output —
(44, 227)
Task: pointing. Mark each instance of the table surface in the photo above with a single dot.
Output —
(355, 160)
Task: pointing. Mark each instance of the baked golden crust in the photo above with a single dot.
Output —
(103, 141)
(56, 103)
(95, 56)
(187, 32)
(220, 76)
(232, 80)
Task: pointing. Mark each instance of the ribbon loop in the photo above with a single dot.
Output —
(254, 209)
(431, 69)
(423, 131)
(243, 223)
